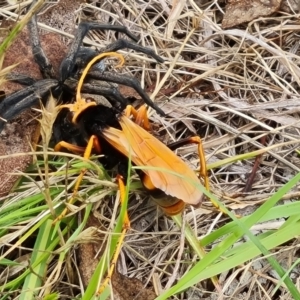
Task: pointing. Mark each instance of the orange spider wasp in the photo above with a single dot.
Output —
(169, 180)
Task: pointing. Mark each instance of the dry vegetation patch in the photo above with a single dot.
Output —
(238, 90)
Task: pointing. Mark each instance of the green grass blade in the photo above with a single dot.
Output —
(33, 281)
(242, 228)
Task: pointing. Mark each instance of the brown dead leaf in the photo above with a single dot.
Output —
(243, 11)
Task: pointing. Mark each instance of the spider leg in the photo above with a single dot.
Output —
(21, 79)
(15, 103)
(125, 80)
(37, 50)
(67, 65)
(109, 91)
(123, 44)
(85, 55)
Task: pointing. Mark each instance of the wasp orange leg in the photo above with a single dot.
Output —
(140, 116)
(77, 108)
(70, 147)
(203, 169)
(93, 143)
(195, 140)
(126, 226)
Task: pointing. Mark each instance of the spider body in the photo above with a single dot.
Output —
(76, 58)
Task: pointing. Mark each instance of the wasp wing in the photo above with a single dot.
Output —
(172, 175)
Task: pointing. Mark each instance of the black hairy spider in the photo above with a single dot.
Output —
(76, 58)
